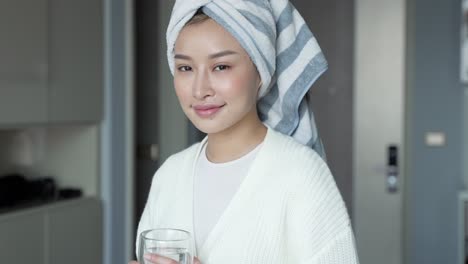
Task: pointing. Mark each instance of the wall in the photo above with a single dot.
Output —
(69, 154)
(465, 133)
(436, 99)
(117, 137)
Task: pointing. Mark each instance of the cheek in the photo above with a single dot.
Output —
(181, 89)
(238, 87)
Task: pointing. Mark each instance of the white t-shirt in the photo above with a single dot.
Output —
(214, 186)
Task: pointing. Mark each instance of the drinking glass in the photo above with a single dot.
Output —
(167, 242)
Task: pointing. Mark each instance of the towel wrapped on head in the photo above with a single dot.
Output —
(282, 47)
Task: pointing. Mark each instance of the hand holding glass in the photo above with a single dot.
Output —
(171, 243)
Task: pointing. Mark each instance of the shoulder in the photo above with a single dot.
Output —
(314, 202)
(288, 152)
(298, 169)
(304, 171)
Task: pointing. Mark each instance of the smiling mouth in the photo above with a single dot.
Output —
(206, 111)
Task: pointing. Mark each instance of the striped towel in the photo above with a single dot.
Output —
(283, 49)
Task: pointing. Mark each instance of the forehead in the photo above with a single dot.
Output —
(204, 36)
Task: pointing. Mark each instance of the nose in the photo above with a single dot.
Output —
(202, 86)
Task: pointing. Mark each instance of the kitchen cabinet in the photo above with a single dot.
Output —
(62, 232)
(22, 238)
(462, 227)
(23, 61)
(51, 66)
(75, 233)
(76, 61)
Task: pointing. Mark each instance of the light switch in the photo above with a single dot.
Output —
(435, 139)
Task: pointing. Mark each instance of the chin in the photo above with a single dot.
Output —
(208, 129)
(212, 128)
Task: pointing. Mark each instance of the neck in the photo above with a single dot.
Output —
(236, 141)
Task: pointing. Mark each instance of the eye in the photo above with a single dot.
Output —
(221, 68)
(184, 68)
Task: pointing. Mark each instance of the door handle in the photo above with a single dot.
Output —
(392, 169)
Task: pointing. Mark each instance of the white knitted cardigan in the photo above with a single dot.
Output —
(287, 210)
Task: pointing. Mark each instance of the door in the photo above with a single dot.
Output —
(379, 103)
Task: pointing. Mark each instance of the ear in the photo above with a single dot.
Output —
(259, 86)
(259, 81)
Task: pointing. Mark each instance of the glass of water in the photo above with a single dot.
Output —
(171, 243)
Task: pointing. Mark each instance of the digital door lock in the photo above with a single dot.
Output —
(392, 169)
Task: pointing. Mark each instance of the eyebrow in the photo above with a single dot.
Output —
(222, 54)
(212, 56)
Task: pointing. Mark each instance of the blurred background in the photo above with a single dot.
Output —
(88, 113)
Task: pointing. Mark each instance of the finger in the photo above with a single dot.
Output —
(157, 259)
(196, 261)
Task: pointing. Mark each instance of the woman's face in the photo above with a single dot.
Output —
(214, 78)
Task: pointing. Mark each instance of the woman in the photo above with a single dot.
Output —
(256, 189)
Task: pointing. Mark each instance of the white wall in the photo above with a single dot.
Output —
(72, 156)
(16, 152)
(69, 154)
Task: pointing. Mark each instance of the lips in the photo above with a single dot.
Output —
(208, 110)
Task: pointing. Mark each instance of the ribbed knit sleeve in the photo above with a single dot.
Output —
(340, 249)
(318, 220)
